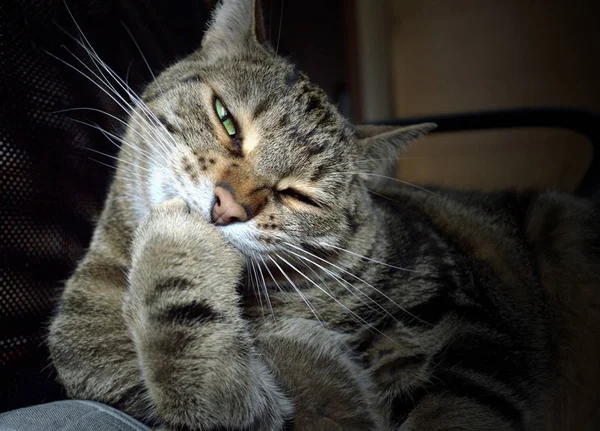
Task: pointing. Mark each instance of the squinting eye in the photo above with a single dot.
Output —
(295, 194)
(225, 117)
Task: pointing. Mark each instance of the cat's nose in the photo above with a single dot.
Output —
(226, 209)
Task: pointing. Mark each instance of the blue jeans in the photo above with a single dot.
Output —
(73, 415)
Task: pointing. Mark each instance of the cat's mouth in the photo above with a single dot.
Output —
(242, 236)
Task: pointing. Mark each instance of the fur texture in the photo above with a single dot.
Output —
(371, 309)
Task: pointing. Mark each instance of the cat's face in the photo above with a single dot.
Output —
(238, 131)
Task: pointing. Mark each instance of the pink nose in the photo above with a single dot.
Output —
(226, 210)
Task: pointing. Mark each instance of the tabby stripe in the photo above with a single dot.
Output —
(155, 95)
(487, 355)
(284, 121)
(263, 106)
(463, 386)
(313, 103)
(192, 313)
(318, 173)
(149, 98)
(166, 285)
(169, 126)
(436, 308)
(196, 77)
(291, 78)
(448, 382)
(314, 149)
(325, 119)
(350, 219)
(288, 425)
(403, 404)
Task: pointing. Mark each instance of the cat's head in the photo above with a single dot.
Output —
(252, 145)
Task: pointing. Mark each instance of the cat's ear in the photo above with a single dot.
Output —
(234, 23)
(380, 146)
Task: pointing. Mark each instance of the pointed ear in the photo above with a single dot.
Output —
(380, 147)
(233, 24)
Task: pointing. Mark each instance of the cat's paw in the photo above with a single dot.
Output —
(186, 238)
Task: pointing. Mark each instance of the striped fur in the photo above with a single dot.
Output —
(337, 306)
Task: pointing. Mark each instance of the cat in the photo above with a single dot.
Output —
(247, 274)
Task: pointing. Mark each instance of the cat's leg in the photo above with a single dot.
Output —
(89, 343)
(195, 351)
(453, 376)
(330, 389)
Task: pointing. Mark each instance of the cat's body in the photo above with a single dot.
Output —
(398, 309)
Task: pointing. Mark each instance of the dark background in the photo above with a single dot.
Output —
(377, 59)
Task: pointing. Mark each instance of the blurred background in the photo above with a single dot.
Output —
(378, 60)
(387, 59)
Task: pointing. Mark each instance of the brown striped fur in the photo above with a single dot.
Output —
(341, 303)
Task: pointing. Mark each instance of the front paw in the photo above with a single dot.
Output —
(174, 235)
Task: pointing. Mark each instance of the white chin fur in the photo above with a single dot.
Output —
(155, 185)
(199, 195)
(243, 236)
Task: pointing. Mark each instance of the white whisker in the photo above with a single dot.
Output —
(98, 127)
(115, 158)
(369, 259)
(310, 307)
(266, 291)
(390, 178)
(361, 280)
(272, 276)
(254, 281)
(280, 26)
(128, 109)
(93, 55)
(341, 281)
(141, 54)
(322, 289)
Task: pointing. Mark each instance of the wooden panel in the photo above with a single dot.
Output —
(469, 55)
(461, 55)
(491, 161)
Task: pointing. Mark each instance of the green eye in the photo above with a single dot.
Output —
(225, 117)
(228, 123)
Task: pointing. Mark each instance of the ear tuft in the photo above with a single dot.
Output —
(397, 136)
(380, 147)
(233, 24)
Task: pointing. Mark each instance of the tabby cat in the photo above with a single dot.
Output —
(245, 273)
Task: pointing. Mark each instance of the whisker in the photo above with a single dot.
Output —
(310, 307)
(134, 97)
(392, 179)
(115, 158)
(280, 26)
(127, 109)
(361, 280)
(93, 55)
(272, 276)
(153, 122)
(106, 133)
(141, 54)
(108, 114)
(254, 281)
(266, 291)
(342, 282)
(339, 280)
(311, 281)
(370, 259)
(352, 314)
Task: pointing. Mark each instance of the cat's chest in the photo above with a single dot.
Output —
(321, 302)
